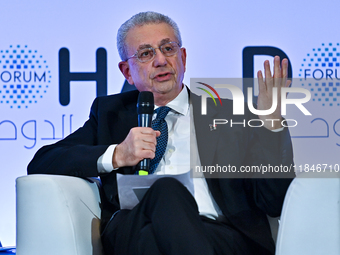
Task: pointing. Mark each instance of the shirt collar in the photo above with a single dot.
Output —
(181, 103)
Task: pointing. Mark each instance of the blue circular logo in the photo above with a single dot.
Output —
(24, 76)
(320, 73)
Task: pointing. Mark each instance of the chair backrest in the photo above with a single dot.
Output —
(57, 215)
(310, 219)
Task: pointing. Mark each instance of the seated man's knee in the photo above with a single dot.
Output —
(167, 184)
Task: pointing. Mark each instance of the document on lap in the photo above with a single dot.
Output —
(132, 188)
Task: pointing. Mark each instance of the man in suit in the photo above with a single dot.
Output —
(225, 215)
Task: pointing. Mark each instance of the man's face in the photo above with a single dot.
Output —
(162, 75)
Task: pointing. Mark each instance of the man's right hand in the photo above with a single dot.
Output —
(139, 144)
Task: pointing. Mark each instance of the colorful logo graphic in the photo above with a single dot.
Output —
(24, 76)
(320, 73)
(209, 93)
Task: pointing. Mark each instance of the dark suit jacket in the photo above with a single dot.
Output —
(245, 202)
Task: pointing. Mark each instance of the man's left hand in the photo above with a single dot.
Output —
(265, 98)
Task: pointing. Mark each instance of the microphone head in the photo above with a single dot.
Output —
(145, 104)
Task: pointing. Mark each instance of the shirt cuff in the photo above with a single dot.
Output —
(104, 162)
(278, 129)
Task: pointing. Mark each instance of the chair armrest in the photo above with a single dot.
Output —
(57, 215)
(310, 219)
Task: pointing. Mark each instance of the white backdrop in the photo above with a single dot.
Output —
(214, 33)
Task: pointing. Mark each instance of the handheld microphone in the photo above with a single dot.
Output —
(145, 107)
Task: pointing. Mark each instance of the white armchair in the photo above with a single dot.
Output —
(57, 215)
(61, 215)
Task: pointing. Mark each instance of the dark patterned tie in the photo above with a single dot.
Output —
(160, 124)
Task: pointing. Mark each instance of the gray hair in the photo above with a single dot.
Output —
(141, 19)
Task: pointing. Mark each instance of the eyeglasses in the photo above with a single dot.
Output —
(168, 49)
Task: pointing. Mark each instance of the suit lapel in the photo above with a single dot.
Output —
(122, 120)
(206, 138)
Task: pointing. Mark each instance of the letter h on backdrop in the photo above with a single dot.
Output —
(65, 76)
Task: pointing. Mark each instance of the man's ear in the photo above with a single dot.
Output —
(184, 57)
(125, 69)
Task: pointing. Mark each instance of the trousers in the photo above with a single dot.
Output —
(167, 221)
